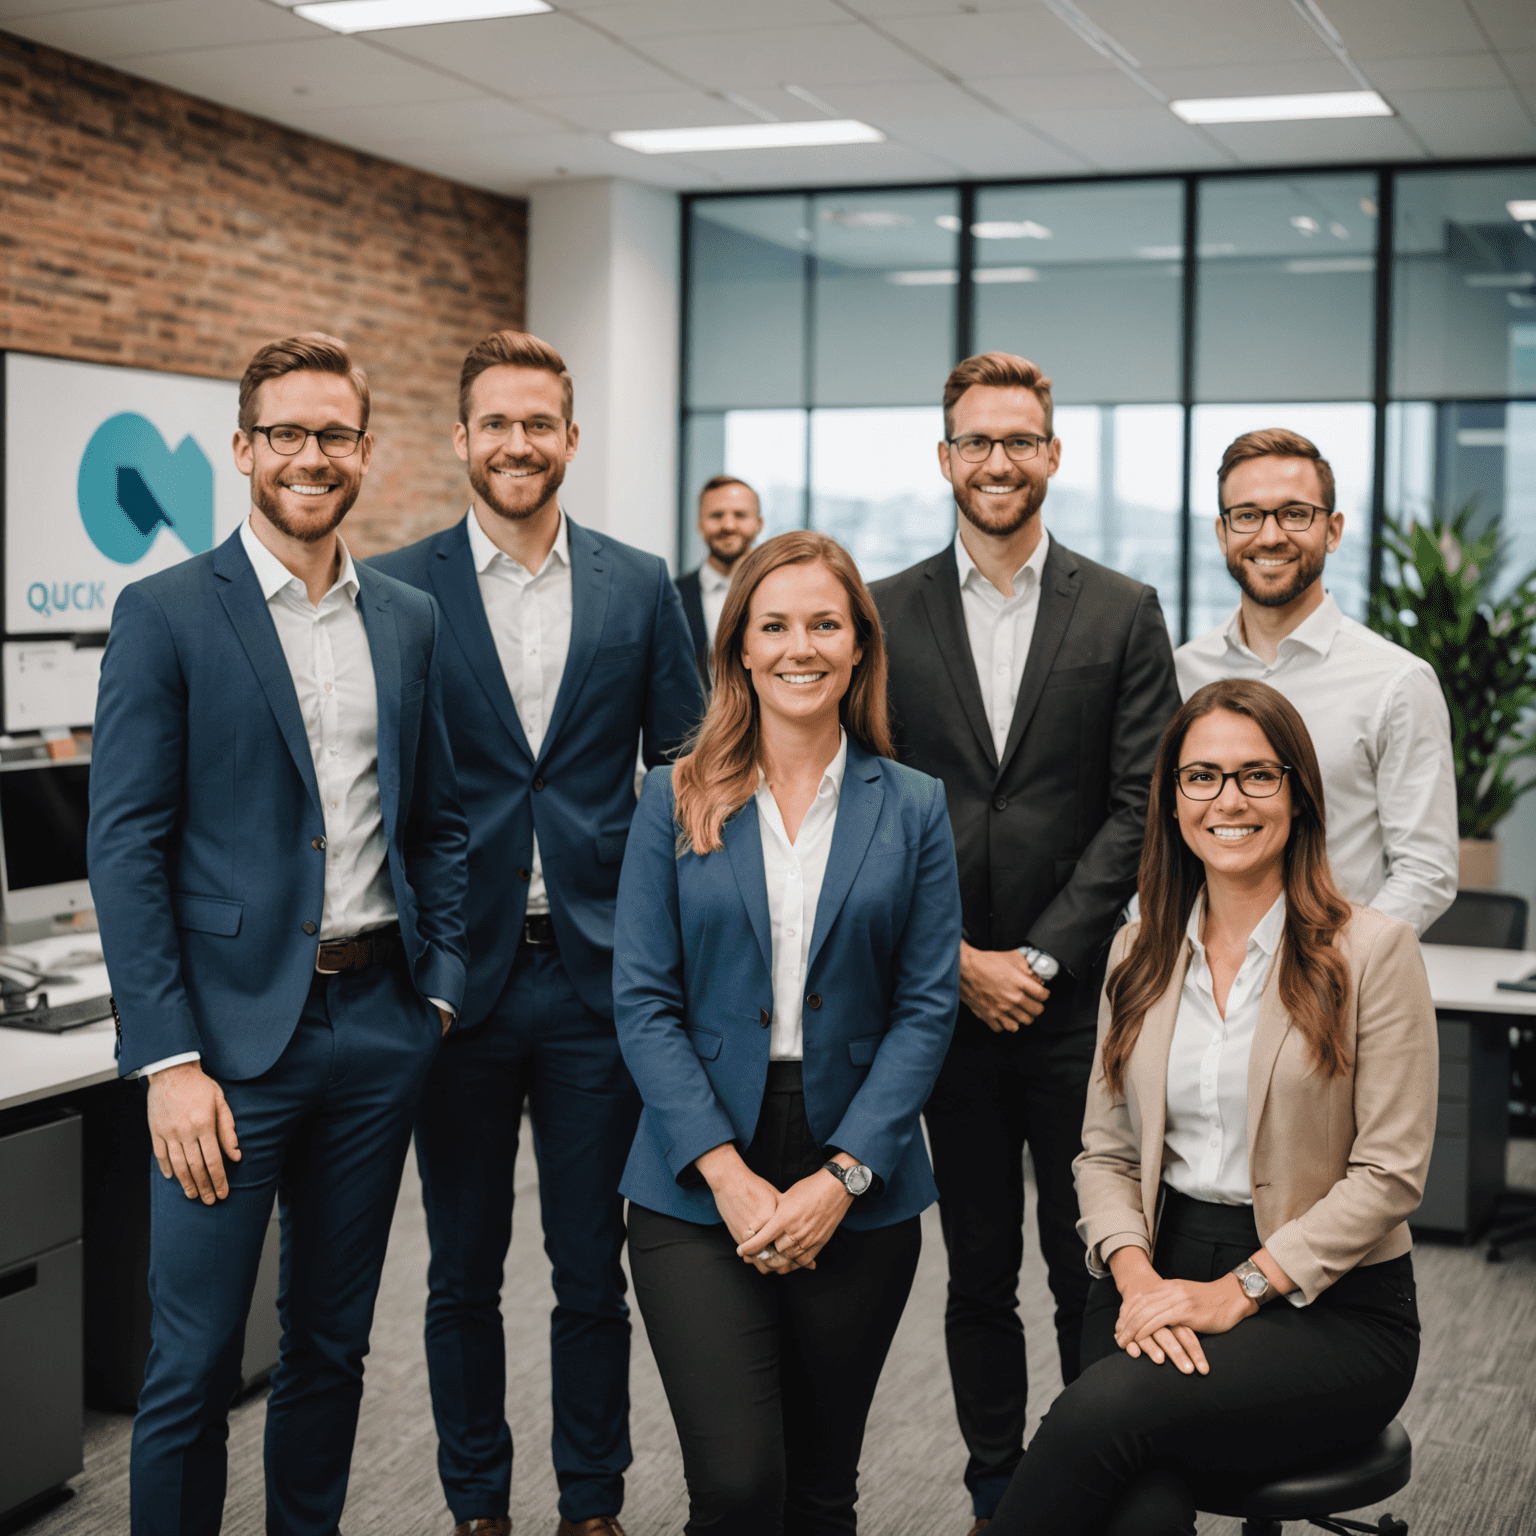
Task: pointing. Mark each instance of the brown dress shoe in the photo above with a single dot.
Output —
(599, 1525)
(981, 1525)
(500, 1526)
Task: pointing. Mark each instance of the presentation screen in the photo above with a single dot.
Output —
(110, 474)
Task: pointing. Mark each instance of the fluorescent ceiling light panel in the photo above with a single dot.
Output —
(1282, 109)
(695, 141)
(382, 15)
(1522, 208)
(1006, 275)
(927, 277)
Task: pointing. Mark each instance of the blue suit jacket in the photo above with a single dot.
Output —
(204, 809)
(693, 989)
(628, 673)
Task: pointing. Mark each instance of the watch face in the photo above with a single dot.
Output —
(1255, 1285)
(858, 1179)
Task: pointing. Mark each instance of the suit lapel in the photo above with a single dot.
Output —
(241, 596)
(457, 588)
(383, 632)
(589, 608)
(1148, 1079)
(1059, 585)
(858, 809)
(743, 845)
(1268, 1036)
(941, 599)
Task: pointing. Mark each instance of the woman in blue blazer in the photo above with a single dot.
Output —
(785, 983)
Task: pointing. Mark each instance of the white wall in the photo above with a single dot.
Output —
(604, 288)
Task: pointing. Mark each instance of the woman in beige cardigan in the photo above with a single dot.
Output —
(1258, 1128)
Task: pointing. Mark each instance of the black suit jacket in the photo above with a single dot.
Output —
(693, 610)
(1048, 839)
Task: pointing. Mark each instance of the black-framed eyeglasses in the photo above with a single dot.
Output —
(1258, 781)
(288, 439)
(1294, 516)
(976, 447)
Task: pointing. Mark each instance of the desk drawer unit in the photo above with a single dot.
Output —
(41, 1361)
(1466, 1169)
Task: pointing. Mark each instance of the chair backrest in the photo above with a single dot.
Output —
(1481, 920)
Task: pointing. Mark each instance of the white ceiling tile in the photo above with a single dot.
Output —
(119, 32)
(884, 10)
(1521, 66)
(1011, 43)
(1489, 122)
(511, 165)
(1405, 28)
(384, 129)
(1511, 24)
(1129, 138)
(11, 10)
(1360, 138)
(519, 55)
(657, 18)
(1264, 77)
(849, 54)
(608, 112)
(1191, 32)
(271, 78)
(1450, 71)
(1107, 88)
(831, 165)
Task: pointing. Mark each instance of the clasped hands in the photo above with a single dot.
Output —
(775, 1233)
(1000, 988)
(1163, 1318)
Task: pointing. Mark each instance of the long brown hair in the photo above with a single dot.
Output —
(1314, 978)
(719, 773)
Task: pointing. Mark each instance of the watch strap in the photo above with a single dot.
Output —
(843, 1175)
(1248, 1271)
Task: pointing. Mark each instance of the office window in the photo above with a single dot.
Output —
(1086, 281)
(1344, 432)
(764, 448)
(1285, 307)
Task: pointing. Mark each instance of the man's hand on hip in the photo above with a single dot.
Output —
(189, 1124)
(999, 987)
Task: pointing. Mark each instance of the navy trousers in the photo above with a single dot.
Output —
(325, 1131)
(541, 1044)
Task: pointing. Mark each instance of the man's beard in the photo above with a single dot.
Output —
(1001, 528)
(267, 498)
(483, 480)
(1307, 570)
(728, 562)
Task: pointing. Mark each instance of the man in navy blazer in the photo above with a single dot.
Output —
(566, 656)
(278, 861)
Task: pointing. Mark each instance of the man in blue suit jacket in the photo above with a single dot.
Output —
(566, 652)
(278, 861)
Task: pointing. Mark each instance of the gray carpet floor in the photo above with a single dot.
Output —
(1472, 1414)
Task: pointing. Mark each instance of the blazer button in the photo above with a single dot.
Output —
(814, 1000)
(524, 874)
(310, 928)
(318, 844)
(538, 784)
(1001, 803)
(764, 1017)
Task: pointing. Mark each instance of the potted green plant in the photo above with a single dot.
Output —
(1437, 600)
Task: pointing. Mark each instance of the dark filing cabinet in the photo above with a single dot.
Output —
(1466, 1169)
(41, 1365)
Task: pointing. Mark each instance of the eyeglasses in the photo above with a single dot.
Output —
(1294, 516)
(1258, 781)
(540, 426)
(335, 442)
(976, 447)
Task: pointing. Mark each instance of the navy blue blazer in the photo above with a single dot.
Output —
(693, 989)
(629, 675)
(206, 839)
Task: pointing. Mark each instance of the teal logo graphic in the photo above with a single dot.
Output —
(131, 483)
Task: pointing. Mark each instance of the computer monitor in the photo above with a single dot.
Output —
(44, 807)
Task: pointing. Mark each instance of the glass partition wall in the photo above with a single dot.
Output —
(1389, 314)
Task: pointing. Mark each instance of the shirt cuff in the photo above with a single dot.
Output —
(167, 1061)
(1295, 1297)
(447, 1008)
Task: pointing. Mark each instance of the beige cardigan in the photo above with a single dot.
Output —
(1336, 1164)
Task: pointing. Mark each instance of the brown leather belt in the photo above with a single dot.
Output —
(539, 932)
(376, 947)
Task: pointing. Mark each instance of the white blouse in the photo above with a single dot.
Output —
(794, 873)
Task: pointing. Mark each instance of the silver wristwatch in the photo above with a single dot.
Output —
(855, 1180)
(1045, 966)
(1254, 1281)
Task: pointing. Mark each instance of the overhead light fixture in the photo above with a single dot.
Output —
(1010, 229)
(1521, 209)
(696, 141)
(865, 218)
(1006, 275)
(1304, 264)
(925, 277)
(1281, 109)
(382, 15)
(1499, 280)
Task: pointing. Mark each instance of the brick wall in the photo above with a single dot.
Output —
(145, 227)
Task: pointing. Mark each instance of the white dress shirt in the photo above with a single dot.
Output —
(794, 873)
(530, 619)
(712, 589)
(1000, 630)
(1383, 738)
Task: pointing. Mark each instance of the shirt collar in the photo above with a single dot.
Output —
(484, 553)
(272, 575)
(1315, 633)
(1035, 563)
(711, 579)
(831, 775)
(1266, 935)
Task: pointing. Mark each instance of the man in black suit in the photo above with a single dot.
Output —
(730, 520)
(1036, 685)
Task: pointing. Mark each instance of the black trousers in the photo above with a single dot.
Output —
(996, 1094)
(1125, 1450)
(770, 1377)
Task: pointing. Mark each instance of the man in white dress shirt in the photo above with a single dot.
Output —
(730, 520)
(1376, 712)
(279, 864)
(569, 654)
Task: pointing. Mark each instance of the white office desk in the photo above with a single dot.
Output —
(36, 1065)
(1462, 980)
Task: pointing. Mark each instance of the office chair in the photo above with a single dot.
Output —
(1362, 1476)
